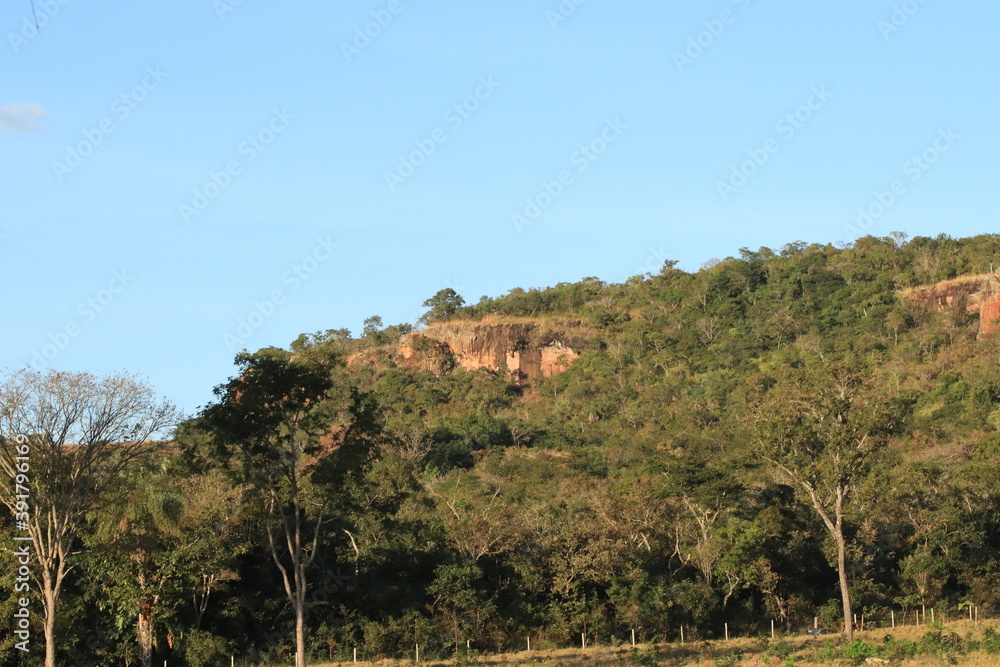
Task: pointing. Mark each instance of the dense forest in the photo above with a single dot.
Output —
(781, 435)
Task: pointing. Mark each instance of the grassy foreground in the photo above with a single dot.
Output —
(957, 643)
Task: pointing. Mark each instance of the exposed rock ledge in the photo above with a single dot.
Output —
(525, 350)
(965, 294)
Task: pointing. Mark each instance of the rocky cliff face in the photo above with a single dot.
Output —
(525, 350)
(989, 314)
(966, 294)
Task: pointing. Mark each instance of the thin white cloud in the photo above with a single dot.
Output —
(22, 117)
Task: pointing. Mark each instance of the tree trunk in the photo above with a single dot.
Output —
(145, 631)
(50, 629)
(300, 598)
(845, 593)
(295, 581)
(51, 584)
(298, 556)
(300, 641)
(835, 526)
(300, 632)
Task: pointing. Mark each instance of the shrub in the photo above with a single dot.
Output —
(729, 659)
(829, 652)
(895, 649)
(466, 657)
(780, 649)
(858, 650)
(645, 657)
(203, 649)
(936, 642)
(991, 641)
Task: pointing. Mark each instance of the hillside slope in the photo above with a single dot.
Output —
(680, 449)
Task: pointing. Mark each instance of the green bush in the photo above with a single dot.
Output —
(858, 650)
(780, 649)
(729, 659)
(396, 637)
(899, 649)
(203, 649)
(645, 657)
(466, 656)
(828, 653)
(991, 641)
(938, 643)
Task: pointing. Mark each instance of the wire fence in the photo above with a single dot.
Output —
(923, 615)
(871, 620)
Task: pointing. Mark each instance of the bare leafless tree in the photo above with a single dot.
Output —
(411, 443)
(83, 433)
(709, 329)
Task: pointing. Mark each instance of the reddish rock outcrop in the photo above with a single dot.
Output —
(965, 294)
(525, 350)
(989, 314)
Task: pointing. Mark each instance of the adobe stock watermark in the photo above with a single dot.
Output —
(263, 309)
(45, 11)
(86, 312)
(454, 116)
(224, 7)
(247, 151)
(901, 14)
(913, 170)
(786, 127)
(562, 13)
(23, 553)
(714, 28)
(121, 108)
(581, 159)
(371, 30)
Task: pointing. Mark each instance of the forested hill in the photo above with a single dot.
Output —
(681, 460)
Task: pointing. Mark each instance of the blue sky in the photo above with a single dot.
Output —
(186, 179)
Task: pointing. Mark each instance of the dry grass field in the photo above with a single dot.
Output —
(797, 651)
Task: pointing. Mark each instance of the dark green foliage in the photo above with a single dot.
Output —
(203, 649)
(442, 305)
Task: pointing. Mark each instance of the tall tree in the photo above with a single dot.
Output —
(84, 432)
(442, 305)
(129, 548)
(822, 429)
(173, 541)
(278, 422)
